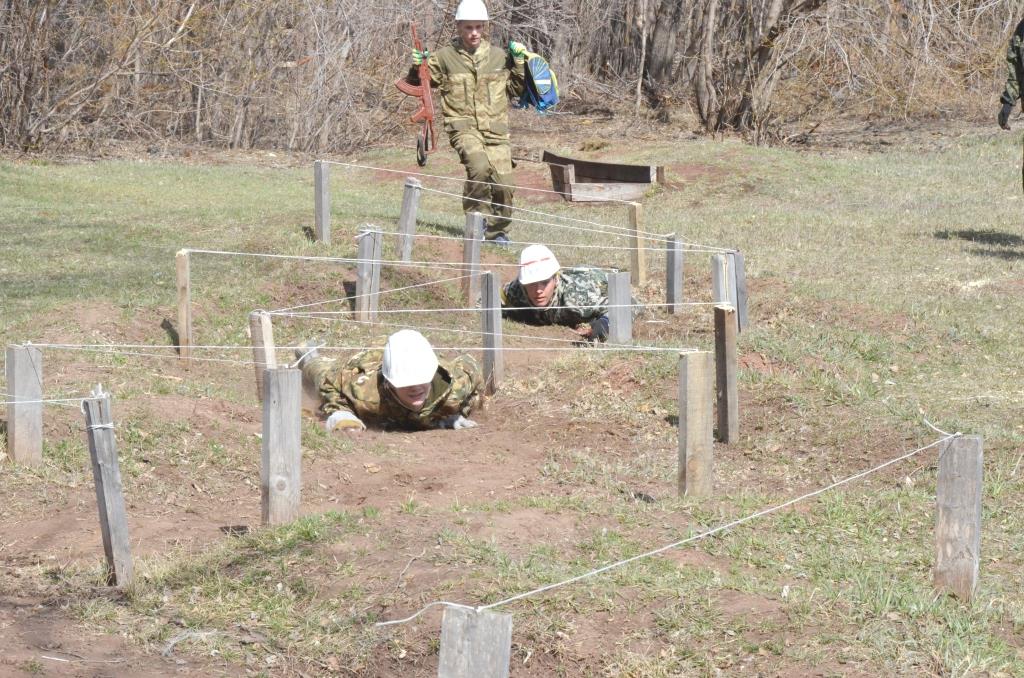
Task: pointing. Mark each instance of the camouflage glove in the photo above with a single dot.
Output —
(599, 328)
(457, 422)
(517, 50)
(343, 420)
(418, 56)
(1004, 115)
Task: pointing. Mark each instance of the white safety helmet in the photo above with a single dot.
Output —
(471, 10)
(536, 263)
(409, 359)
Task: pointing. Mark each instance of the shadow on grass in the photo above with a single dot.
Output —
(444, 228)
(1006, 255)
(986, 237)
(350, 291)
(172, 333)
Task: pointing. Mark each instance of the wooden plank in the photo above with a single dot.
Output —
(726, 391)
(261, 334)
(638, 254)
(24, 369)
(494, 355)
(722, 288)
(368, 275)
(659, 175)
(958, 493)
(322, 201)
(473, 234)
(474, 644)
(183, 270)
(674, 274)
(407, 218)
(281, 459)
(592, 170)
(583, 192)
(740, 286)
(696, 448)
(106, 473)
(620, 314)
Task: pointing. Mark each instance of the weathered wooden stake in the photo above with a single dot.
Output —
(474, 644)
(106, 473)
(264, 357)
(958, 516)
(659, 174)
(620, 311)
(322, 201)
(722, 289)
(183, 268)
(726, 391)
(368, 275)
(674, 274)
(494, 355)
(636, 239)
(407, 219)
(696, 477)
(473, 234)
(739, 281)
(281, 467)
(24, 411)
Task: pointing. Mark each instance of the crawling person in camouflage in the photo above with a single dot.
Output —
(403, 385)
(1014, 79)
(544, 293)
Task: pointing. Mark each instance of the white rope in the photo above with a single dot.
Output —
(468, 309)
(657, 250)
(345, 260)
(13, 400)
(368, 294)
(681, 542)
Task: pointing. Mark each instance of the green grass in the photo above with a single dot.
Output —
(884, 287)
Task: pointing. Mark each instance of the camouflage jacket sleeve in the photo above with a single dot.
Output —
(467, 385)
(583, 292)
(516, 77)
(1014, 67)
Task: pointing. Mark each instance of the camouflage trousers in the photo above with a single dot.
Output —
(317, 372)
(488, 187)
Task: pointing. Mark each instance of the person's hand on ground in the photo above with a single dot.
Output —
(457, 422)
(344, 421)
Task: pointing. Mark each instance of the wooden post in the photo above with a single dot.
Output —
(636, 239)
(474, 644)
(674, 274)
(696, 477)
(264, 357)
(407, 219)
(368, 275)
(494, 356)
(106, 473)
(958, 516)
(739, 280)
(183, 267)
(659, 174)
(322, 201)
(281, 463)
(726, 392)
(620, 311)
(722, 288)
(473, 234)
(25, 418)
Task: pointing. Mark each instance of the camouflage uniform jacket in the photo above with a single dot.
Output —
(359, 387)
(581, 295)
(475, 87)
(1015, 67)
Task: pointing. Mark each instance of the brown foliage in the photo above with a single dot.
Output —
(316, 76)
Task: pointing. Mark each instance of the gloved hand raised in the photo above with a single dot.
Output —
(1004, 116)
(456, 422)
(418, 56)
(343, 420)
(517, 50)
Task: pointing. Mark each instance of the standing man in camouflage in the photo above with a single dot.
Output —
(476, 80)
(544, 293)
(402, 386)
(1014, 80)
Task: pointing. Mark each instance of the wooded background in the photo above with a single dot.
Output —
(318, 76)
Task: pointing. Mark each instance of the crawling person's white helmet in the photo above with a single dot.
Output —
(471, 10)
(536, 263)
(409, 359)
